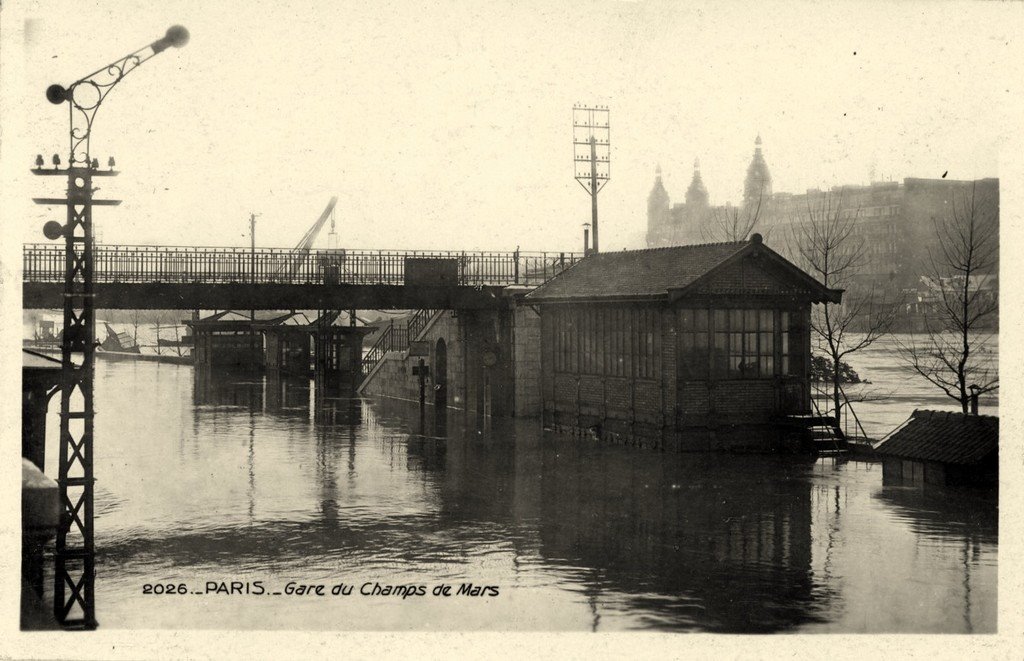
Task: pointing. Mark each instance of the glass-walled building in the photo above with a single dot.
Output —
(691, 347)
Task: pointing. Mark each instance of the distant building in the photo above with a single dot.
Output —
(943, 448)
(895, 221)
(697, 347)
(680, 224)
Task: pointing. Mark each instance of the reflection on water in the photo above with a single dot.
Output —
(264, 479)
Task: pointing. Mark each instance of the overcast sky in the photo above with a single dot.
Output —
(449, 125)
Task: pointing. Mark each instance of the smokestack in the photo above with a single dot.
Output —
(586, 239)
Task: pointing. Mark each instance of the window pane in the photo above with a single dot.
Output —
(734, 364)
(720, 318)
(700, 320)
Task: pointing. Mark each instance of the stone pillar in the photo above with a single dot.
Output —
(526, 352)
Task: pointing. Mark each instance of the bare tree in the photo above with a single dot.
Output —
(158, 347)
(963, 264)
(136, 317)
(731, 223)
(826, 242)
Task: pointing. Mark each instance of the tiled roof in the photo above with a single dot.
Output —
(640, 273)
(945, 437)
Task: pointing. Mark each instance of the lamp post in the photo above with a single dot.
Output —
(74, 564)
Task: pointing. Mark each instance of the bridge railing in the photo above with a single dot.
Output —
(180, 264)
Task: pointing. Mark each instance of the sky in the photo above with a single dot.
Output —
(447, 125)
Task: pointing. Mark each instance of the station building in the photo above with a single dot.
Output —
(697, 347)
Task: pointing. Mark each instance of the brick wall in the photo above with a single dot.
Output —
(737, 402)
(526, 338)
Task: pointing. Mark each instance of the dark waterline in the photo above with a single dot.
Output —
(251, 479)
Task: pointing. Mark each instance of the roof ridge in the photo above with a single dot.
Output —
(661, 248)
(949, 414)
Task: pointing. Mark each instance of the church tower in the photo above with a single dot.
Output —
(759, 181)
(658, 217)
(696, 194)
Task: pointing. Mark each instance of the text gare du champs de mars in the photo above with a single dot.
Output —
(341, 589)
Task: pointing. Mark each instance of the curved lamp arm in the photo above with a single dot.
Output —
(85, 96)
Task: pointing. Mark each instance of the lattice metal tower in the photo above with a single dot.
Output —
(591, 139)
(74, 603)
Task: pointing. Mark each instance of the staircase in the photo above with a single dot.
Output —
(396, 338)
(821, 433)
(826, 434)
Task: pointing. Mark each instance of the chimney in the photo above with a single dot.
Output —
(974, 398)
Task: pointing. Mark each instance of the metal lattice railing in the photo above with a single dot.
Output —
(179, 264)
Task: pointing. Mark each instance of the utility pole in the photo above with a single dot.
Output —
(252, 257)
(252, 277)
(591, 138)
(74, 598)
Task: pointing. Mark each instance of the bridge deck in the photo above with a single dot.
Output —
(271, 278)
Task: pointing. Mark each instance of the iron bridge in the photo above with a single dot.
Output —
(187, 278)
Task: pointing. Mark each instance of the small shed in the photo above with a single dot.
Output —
(287, 343)
(231, 339)
(942, 448)
(40, 380)
(691, 347)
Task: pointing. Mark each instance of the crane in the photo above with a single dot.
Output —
(299, 253)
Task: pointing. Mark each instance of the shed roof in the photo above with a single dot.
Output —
(652, 273)
(946, 437)
(38, 361)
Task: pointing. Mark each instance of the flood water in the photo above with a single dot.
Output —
(208, 480)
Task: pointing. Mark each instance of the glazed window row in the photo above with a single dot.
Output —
(710, 343)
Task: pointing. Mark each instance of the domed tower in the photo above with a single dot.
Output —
(657, 211)
(759, 181)
(696, 194)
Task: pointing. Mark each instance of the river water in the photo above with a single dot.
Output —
(204, 481)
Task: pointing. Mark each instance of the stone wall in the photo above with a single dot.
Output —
(526, 353)
(493, 363)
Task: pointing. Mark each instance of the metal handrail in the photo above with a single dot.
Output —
(419, 321)
(844, 417)
(178, 264)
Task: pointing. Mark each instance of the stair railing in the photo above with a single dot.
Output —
(848, 421)
(396, 338)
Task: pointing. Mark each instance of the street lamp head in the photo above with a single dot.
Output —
(53, 230)
(56, 94)
(176, 36)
